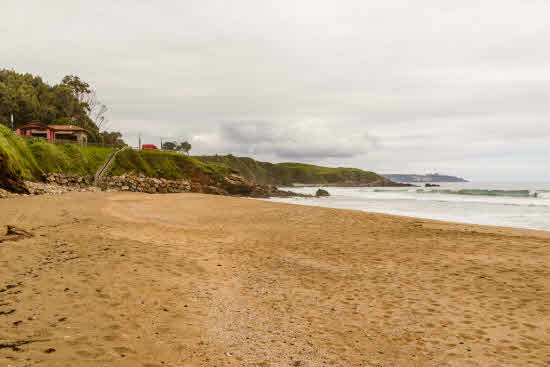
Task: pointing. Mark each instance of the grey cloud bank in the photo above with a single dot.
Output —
(396, 86)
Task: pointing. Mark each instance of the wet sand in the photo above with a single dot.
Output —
(122, 279)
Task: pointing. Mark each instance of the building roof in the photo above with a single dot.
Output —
(66, 128)
(31, 125)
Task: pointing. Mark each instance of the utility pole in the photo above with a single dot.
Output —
(160, 143)
(139, 143)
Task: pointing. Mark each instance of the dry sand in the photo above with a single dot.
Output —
(122, 279)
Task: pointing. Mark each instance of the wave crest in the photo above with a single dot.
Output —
(480, 192)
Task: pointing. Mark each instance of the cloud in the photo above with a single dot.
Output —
(390, 86)
(309, 139)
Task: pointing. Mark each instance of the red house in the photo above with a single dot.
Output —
(54, 133)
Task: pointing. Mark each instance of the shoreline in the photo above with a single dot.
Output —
(525, 212)
(130, 279)
(282, 201)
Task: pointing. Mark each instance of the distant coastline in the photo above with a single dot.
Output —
(435, 177)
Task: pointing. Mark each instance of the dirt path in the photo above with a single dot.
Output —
(113, 279)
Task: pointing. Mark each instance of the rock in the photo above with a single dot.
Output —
(321, 192)
(237, 185)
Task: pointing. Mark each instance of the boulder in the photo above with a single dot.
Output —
(236, 185)
(321, 192)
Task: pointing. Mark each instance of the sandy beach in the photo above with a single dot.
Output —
(124, 279)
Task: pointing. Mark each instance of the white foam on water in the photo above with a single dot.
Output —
(521, 206)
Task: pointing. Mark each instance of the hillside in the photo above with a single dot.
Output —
(28, 159)
(287, 174)
(166, 165)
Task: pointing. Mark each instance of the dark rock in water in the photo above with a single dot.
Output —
(431, 185)
(322, 192)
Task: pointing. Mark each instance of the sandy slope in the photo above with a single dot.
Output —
(195, 280)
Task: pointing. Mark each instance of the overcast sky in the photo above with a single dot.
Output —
(458, 87)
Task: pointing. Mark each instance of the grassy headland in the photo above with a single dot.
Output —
(290, 173)
(165, 165)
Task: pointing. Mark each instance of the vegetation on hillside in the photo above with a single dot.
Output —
(28, 159)
(174, 146)
(165, 165)
(16, 161)
(68, 158)
(289, 173)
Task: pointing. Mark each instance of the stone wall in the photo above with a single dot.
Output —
(144, 184)
(67, 179)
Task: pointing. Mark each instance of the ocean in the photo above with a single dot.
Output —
(509, 205)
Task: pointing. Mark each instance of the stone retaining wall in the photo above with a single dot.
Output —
(144, 184)
(67, 179)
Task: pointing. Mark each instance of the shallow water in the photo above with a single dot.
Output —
(510, 205)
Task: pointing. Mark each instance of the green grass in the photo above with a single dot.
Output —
(19, 160)
(28, 159)
(68, 158)
(290, 172)
(165, 165)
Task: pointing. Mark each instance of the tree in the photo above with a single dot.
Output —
(97, 111)
(72, 102)
(185, 147)
(79, 87)
(113, 139)
(169, 145)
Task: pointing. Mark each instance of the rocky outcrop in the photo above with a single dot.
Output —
(240, 186)
(321, 192)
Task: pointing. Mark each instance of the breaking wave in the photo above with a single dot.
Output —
(542, 194)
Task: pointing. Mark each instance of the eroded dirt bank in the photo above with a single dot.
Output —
(126, 279)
